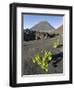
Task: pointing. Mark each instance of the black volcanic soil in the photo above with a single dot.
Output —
(31, 48)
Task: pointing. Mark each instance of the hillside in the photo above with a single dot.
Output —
(42, 26)
(59, 30)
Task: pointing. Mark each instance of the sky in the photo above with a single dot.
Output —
(31, 20)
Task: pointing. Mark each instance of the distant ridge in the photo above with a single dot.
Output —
(59, 30)
(42, 26)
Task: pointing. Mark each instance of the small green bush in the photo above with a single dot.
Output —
(43, 61)
(56, 43)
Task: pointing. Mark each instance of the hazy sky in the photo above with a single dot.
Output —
(30, 20)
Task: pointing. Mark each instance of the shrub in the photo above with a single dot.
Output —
(56, 43)
(43, 61)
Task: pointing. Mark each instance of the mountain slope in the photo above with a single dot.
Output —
(59, 30)
(42, 26)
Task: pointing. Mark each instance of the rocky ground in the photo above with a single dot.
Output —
(31, 48)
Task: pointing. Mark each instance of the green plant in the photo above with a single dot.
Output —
(43, 61)
(56, 43)
(37, 59)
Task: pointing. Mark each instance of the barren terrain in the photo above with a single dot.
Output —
(31, 48)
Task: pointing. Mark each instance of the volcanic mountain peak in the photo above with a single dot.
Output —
(42, 25)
